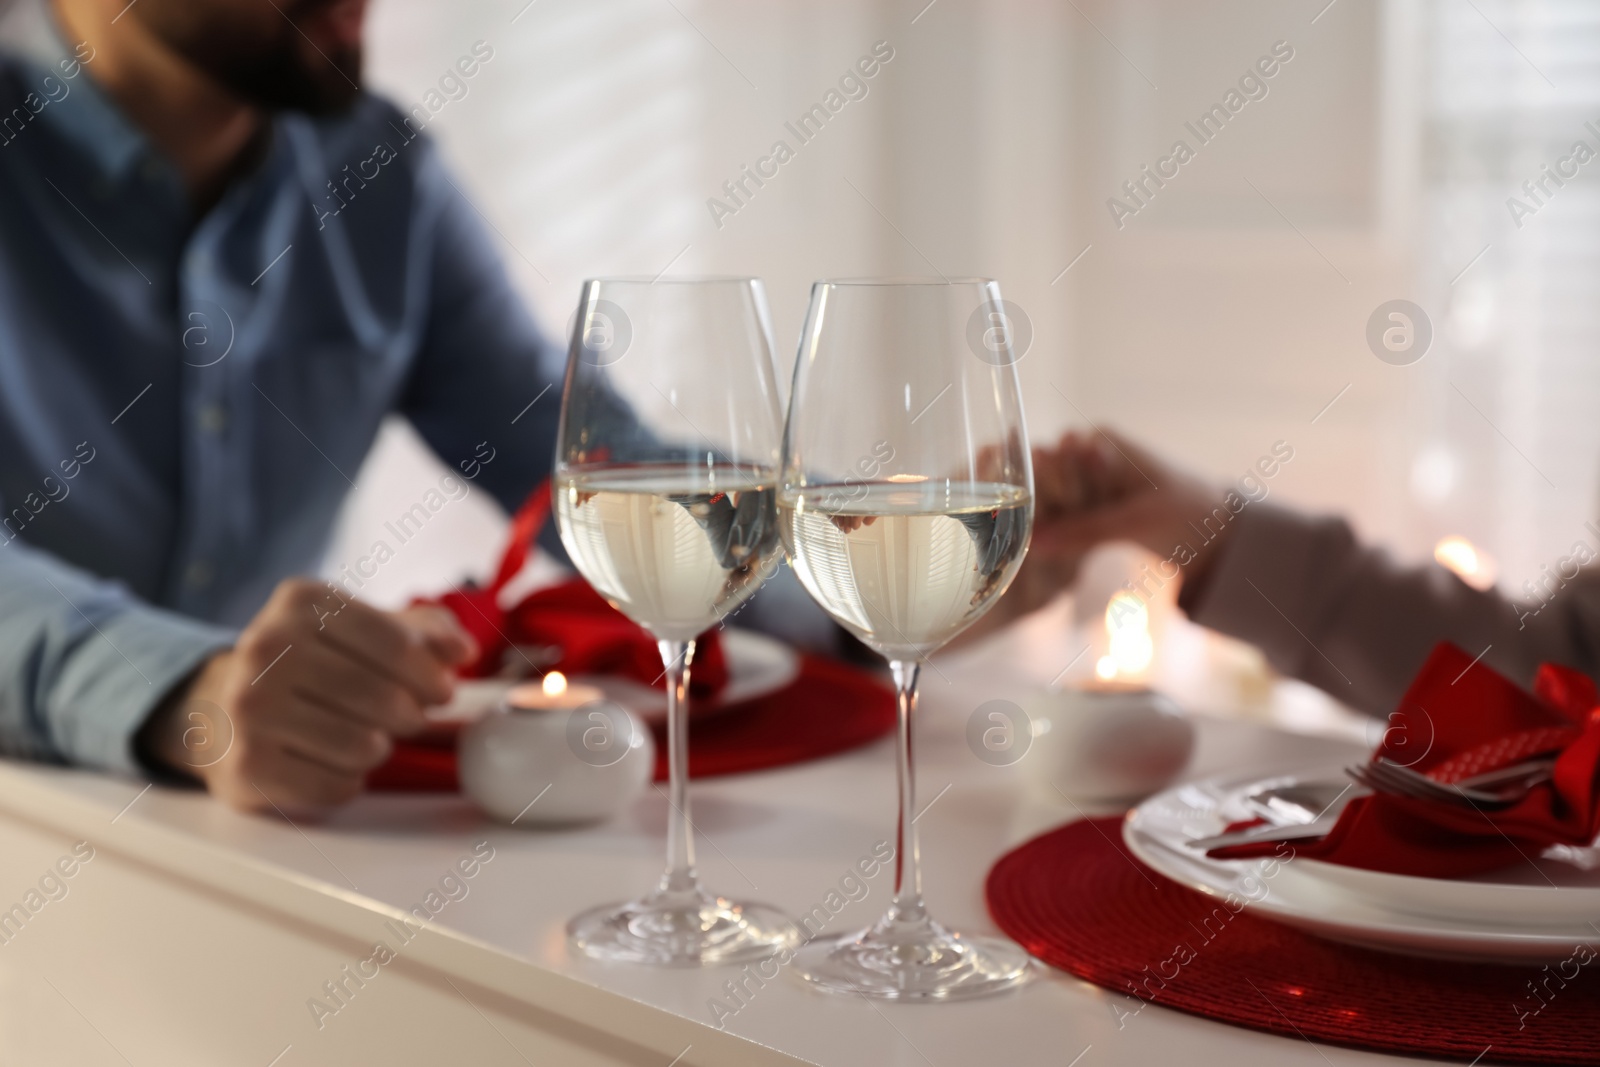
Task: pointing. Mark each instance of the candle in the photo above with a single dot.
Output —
(1469, 562)
(1129, 646)
(1108, 740)
(557, 754)
(553, 693)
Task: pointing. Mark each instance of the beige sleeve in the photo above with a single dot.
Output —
(1351, 621)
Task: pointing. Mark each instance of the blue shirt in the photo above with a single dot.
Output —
(184, 400)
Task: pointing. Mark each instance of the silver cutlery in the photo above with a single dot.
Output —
(1268, 834)
(1492, 790)
(1309, 809)
(1293, 812)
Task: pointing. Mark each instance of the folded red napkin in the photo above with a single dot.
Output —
(593, 637)
(1460, 718)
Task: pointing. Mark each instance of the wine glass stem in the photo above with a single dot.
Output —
(680, 874)
(907, 862)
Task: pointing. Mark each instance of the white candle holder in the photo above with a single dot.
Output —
(1105, 742)
(555, 755)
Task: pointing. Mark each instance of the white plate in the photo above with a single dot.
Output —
(1501, 919)
(757, 665)
(1534, 894)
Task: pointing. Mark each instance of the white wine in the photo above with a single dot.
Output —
(675, 549)
(905, 565)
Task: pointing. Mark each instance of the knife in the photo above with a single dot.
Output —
(1278, 831)
(1265, 835)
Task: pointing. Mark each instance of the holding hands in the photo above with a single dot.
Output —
(1099, 486)
(1096, 486)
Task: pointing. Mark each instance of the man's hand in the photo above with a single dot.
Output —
(307, 702)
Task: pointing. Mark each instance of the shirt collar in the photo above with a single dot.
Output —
(85, 116)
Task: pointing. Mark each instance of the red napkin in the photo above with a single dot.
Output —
(593, 636)
(1460, 718)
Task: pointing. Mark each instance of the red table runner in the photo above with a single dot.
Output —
(829, 708)
(1078, 900)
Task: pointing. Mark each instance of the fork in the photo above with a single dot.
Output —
(1493, 790)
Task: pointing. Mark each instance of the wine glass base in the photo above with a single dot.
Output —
(687, 928)
(912, 960)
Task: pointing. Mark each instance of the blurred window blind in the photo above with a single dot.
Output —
(1507, 414)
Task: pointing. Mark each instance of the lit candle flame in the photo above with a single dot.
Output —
(555, 683)
(1128, 633)
(1465, 560)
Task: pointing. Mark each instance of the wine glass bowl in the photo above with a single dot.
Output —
(905, 503)
(665, 499)
(965, 542)
(674, 550)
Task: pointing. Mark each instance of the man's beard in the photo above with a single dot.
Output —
(283, 80)
(278, 71)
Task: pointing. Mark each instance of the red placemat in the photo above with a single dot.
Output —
(1078, 900)
(828, 708)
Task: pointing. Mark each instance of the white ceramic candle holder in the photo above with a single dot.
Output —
(1105, 743)
(552, 759)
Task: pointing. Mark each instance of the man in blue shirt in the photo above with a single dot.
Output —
(221, 265)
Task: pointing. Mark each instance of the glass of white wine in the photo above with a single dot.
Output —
(665, 492)
(905, 505)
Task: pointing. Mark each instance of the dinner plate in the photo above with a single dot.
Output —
(757, 665)
(1504, 918)
(1535, 893)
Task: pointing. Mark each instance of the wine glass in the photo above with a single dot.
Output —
(905, 505)
(665, 480)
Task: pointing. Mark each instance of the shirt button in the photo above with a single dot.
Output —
(198, 575)
(213, 419)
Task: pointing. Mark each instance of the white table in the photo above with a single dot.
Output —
(197, 936)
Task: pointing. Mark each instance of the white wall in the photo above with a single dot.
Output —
(1222, 317)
